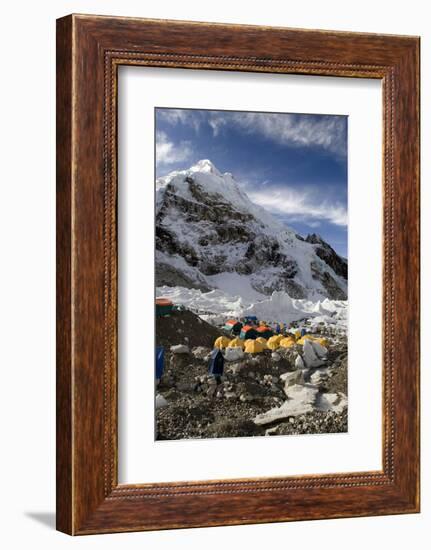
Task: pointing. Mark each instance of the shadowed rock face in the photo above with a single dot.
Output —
(328, 255)
(211, 234)
(333, 290)
(167, 275)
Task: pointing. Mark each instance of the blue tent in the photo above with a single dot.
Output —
(160, 361)
(250, 319)
(216, 363)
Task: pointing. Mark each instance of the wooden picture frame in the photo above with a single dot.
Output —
(89, 51)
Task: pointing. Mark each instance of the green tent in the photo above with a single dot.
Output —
(163, 307)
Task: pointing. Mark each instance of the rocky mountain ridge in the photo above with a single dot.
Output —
(209, 234)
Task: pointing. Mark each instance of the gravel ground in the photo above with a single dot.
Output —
(200, 408)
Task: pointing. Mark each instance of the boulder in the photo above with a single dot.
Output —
(161, 402)
(201, 352)
(180, 349)
(311, 359)
(245, 397)
(336, 402)
(235, 368)
(268, 379)
(299, 363)
(233, 354)
(211, 391)
(302, 399)
(230, 395)
(319, 376)
(319, 349)
(185, 386)
(292, 378)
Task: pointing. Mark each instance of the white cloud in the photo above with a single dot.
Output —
(217, 123)
(167, 152)
(301, 206)
(327, 132)
(189, 117)
(314, 223)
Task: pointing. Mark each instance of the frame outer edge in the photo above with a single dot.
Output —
(81, 507)
(407, 269)
(64, 300)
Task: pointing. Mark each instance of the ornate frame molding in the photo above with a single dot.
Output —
(90, 49)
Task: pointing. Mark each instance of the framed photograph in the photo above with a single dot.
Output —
(237, 274)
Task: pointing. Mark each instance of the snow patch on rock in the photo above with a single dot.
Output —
(301, 400)
(292, 378)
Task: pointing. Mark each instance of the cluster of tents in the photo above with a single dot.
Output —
(260, 344)
(250, 328)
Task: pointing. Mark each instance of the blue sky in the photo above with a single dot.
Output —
(294, 165)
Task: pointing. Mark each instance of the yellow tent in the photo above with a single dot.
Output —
(305, 337)
(221, 342)
(274, 342)
(253, 346)
(263, 341)
(323, 342)
(236, 343)
(287, 342)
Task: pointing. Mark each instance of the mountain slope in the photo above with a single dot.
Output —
(209, 234)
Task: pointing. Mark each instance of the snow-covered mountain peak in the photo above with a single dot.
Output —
(204, 181)
(205, 166)
(204, 178)
(207, 229)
